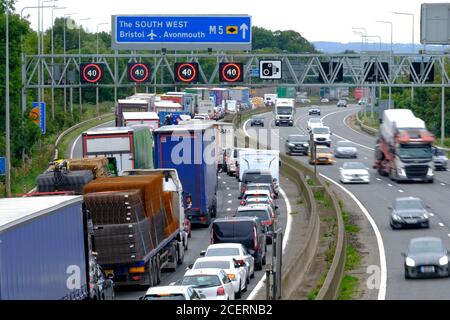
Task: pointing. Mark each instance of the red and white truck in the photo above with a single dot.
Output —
(404, 148)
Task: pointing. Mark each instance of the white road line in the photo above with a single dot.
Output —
(390, 185)
(431, 214)
(383, 280)
(378, 179)
(230, 201)
(443, 184)
(449, 234)
(228, 209)
(441, 224)
(401, 191)
(224, 182)
(230, 195)
(228, 188)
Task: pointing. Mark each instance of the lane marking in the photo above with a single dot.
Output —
(228, 188)
(224, 182)
(401, 191)
(230, 195)
(228, 209)
(441, 224)
(449, 235)
(443, 184)
(431, 214)
(378, 179)
(390, 185)
(383, 281)
(230, 201)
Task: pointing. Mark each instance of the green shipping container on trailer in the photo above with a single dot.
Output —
(143, 154)
(286, 92)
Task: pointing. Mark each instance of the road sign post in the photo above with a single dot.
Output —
(181, 32)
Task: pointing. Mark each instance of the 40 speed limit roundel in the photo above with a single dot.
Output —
(186, 72)
(91, 72)
(139, 72)
(231, 72)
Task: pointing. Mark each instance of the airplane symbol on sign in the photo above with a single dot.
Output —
(152, 35)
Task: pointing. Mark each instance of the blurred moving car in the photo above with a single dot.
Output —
(342, 103)
(235, 271)
(213, 284)
(345, 149)
(101, 286)
(257, 121)
(233, 250)
(440, 159)
(246, 231)
(314, 110)
(230, 160)
(324, 100)
(171, 293)
(314, 123)
(322, 136)
(297, 144)
(409, 212)
(354, 172)
(426, 257)
(324, 155)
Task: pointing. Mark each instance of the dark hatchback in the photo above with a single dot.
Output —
(297, 144)
(244, 230)
(257, 121)
(409, 212)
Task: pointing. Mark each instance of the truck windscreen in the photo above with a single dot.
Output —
(408, 152)
(284, 110)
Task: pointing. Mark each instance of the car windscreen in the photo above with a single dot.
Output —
(260, 214)
(259, 197)
(165, 297)
(234, 229)
(216, 264)
(298, 139)
(354, 165)
(321, 130)
(257, 178)
(267, 188)
(201, 281)
(315, 120)
(345, 144)
(426, 246)
(412, 204)
(221, 252)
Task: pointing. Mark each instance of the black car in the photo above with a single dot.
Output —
(247, 231)
(409, 212)
(426, 257)
(314, 111)
(257, 121)
(297, 144)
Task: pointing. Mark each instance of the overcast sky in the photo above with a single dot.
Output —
(317, 20)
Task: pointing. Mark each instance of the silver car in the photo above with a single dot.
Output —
(214, 284)
(440, 159)
(345, 149)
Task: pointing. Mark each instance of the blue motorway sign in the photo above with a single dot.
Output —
(2, 166)
(195, 32)
(40, 106)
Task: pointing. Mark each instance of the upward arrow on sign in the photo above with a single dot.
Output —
(244, 29)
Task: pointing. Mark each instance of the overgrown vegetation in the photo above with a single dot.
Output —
(323, 199)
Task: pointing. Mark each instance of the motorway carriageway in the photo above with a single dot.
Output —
(227, 198)
(377, 197)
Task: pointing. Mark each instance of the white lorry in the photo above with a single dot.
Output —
(284, 112)
(260, 160)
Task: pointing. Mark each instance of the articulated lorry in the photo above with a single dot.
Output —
(43, 249)
(404, 148)
(127, 147)
(138, 223)
(284, 112)
(190, 149)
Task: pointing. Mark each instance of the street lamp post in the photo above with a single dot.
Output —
(412, 45)
(7, 124)
(96, 87)
(53, 61)
(64, 53)
(365, 32)
(79, 61)
(390, 60)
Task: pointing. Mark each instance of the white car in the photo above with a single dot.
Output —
(314, 123)
(235, 271)
(201, 116)
(322, 136)
(232, 250)
(354, 172)
(171, 293)
(213, 284)
(325, 100)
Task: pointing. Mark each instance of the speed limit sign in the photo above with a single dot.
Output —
(186, 72)
(231, 72)
(138, 72)
(91, 72)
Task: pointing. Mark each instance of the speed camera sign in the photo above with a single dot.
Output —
(270, 69)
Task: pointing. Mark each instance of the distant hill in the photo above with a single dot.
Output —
(338, 47)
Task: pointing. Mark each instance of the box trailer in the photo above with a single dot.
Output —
(43, 249)
(131, 105)
(190, 149)
(149, 118)
(126, 148)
